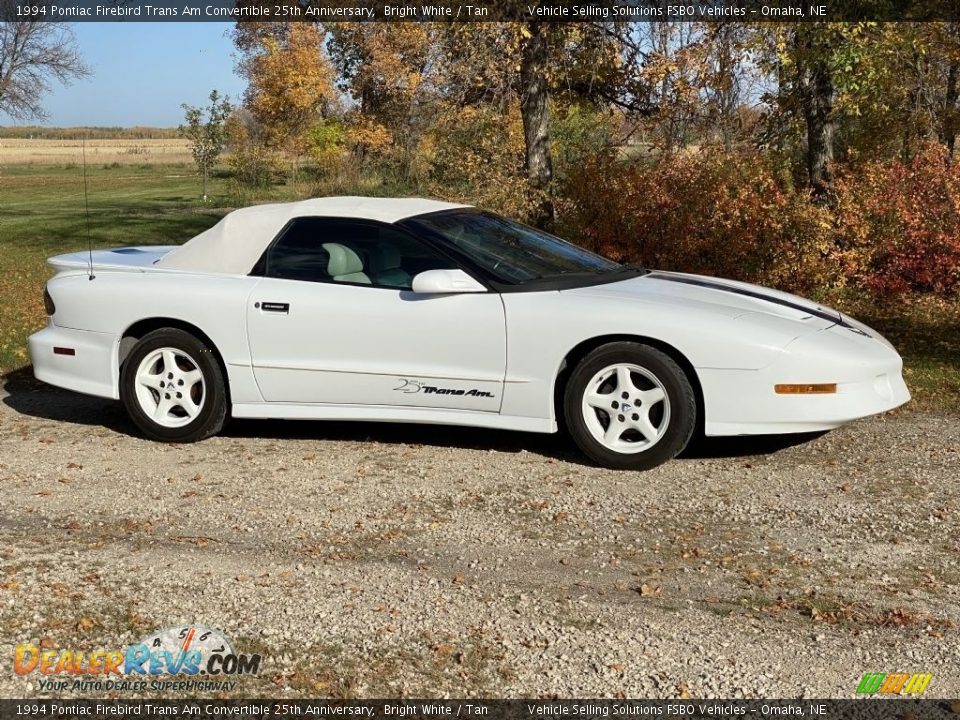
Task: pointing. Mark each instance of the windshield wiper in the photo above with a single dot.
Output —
(629, 268)
(598, 272)
(565, 274)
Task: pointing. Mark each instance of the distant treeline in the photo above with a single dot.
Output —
(26, 132)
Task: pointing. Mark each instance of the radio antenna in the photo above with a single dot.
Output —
(86, 208)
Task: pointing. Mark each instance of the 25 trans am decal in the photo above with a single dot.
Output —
(415, 386)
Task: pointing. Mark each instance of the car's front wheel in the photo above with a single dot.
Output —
(629, 406)
(172, 387)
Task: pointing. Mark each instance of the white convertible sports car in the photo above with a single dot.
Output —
(410, 310)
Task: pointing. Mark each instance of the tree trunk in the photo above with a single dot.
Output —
(662, 30)
(535, 111)
(949, 122)
(818, 113)
(816, 96)
(727, 82)
(204, 182)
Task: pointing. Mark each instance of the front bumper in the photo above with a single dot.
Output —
(867, 370)
(92, 369)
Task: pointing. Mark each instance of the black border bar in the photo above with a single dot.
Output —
(460, 11)
(533, 709)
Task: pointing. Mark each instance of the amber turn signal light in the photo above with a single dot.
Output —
(819, 389)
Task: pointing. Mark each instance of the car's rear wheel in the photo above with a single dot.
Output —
(629, 406)
(172, 387)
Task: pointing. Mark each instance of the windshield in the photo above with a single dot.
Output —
(510, 252)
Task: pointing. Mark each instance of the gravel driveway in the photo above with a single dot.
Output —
(377, 561)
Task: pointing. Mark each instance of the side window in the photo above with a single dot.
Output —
(349, 251)
(395, 257)
(297, 254)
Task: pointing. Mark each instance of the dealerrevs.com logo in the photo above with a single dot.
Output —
(203, 659)
(900, 683)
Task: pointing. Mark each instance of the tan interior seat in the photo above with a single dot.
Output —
(385, 265)
(345, 265)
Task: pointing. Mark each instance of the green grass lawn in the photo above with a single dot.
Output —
(42, 214)
(927, 334)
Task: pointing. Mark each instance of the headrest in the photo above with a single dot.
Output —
(343, 260)
(386, 258)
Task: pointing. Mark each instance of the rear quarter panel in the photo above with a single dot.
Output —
(114, 301)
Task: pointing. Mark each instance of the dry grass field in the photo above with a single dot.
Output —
(44, 151)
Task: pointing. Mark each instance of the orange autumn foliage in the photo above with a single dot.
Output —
(291, 82)
(894, 227)
(900, 224)
(711, 212)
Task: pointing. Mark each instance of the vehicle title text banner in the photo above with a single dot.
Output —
(479, 709)
(477, 10)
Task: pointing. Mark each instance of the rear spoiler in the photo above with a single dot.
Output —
(130, 259)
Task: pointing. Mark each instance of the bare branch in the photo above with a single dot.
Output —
(33, 56)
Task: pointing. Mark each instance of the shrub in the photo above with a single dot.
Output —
(899, 225)
(712, 211)
(368, 138)
(255, 166)
(252, 163)
(477, 157)
(326, 143)
(579, 132)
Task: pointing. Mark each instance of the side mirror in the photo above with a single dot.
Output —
(445, 282)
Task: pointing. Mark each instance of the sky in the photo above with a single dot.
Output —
(142, 72)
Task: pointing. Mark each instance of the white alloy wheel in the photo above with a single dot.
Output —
(626, 408)
(170, 387)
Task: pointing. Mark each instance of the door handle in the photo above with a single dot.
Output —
(277, 307)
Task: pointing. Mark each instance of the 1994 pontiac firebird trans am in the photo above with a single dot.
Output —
(410, 310)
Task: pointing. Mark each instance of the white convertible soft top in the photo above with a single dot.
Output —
(235, 243)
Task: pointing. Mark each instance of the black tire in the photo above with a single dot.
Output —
(212, 396)
(677, 418)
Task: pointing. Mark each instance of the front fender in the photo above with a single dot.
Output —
(537, 348)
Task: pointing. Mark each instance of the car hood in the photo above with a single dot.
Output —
(728, 298)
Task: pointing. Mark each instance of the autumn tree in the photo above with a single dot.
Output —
(33, 55)
(291, 83)
(728, 78)
(205, 128)
(532, 68)
(410, 77)
(946, 39)
(825, 73)
(903, 90)
(406, 79)
(391, 73)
